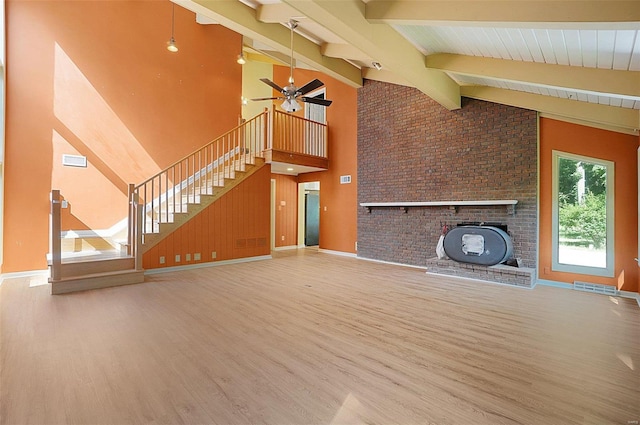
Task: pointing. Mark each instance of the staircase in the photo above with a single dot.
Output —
(161, 204)
(172, 197)
(166, 201)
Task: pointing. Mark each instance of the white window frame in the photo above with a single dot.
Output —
(555, 226)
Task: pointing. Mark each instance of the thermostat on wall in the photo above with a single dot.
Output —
(345, 179)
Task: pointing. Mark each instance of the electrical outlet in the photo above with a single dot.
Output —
(177, 258)
(282, 237)
(162, 260)
(356, 245)
(187, 257)
(214, 255)
(196, 256)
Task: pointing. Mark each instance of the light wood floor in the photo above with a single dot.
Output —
(314, 338)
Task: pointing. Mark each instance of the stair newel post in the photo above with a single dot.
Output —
(56, 240)
(268, 130)
(137, 214)
(131, 221)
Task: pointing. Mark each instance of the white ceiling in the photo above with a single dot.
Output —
(578, 59)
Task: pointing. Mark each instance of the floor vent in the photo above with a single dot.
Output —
(594, 287)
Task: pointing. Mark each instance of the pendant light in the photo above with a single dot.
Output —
(171, 44)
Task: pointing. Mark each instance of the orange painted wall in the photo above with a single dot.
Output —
(338, 202)
(94, 78)
(611, 146)
(235, 226)
(287, 214)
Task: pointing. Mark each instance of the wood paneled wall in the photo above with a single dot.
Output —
(286, 210)
(235, 226)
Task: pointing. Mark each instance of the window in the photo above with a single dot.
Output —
(582, 215)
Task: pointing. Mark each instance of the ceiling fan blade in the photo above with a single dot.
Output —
(272, 84)
(323, 102)
(311, 85)
(268, 98)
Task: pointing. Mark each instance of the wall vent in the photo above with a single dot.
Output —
(595, 287)
(345, 179)
(74, 161)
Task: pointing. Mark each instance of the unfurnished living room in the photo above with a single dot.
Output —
(320, 212)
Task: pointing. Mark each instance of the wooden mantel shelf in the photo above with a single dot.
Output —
(509, 203)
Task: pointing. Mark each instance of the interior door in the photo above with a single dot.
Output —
(312, 218)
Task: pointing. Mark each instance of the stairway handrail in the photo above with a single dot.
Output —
(244, 124)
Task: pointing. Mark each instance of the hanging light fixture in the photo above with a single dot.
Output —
(241, 60)
(171, 44)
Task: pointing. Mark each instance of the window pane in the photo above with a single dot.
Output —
(582, 213)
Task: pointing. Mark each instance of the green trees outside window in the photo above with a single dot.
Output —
(583, 213)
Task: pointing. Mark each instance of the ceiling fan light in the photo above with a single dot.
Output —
(291, 105)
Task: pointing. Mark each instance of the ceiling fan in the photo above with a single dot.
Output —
(291, 93)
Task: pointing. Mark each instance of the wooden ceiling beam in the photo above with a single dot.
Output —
(588, 80)
(591, 114)
(383, 44)
(242, 19)
(540, 14)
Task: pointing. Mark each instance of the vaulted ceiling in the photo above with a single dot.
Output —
(573, 59)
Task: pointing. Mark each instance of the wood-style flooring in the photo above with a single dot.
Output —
(315, 338)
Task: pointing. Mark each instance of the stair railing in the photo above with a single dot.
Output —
(169, 192)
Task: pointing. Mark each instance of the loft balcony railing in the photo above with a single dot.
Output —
(297, 140)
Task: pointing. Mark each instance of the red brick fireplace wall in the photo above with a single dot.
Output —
(412, 149)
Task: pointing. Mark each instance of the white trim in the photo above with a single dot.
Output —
(18, 275)
(481, 280)
(341, 253)
(285, 248)
(206, 265)
(564, 285)
(554, 284)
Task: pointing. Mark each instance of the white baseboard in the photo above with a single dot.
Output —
(341, 253)
(205, 265)
(563, 285)
(18, 275)
(286, 248)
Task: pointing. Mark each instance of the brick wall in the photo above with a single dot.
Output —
(412, 149)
